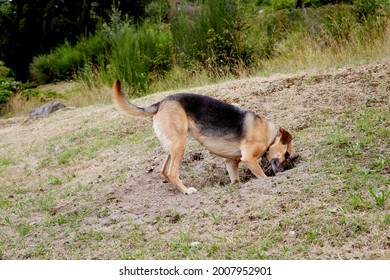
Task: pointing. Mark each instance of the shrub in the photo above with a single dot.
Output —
(138, 55)
(213, 34)
(39, 95)
(5, 96)
(65, 60)
(366, 9)
(4, 71)
(272, 28)
(7, 85)
(157, 11)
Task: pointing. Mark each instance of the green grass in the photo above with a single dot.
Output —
(4, 163)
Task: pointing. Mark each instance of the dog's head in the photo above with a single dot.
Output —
(280, 150)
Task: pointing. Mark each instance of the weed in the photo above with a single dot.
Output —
(23, 228)
(72, 218)
(5, 203)
(73, 190)
(100, 144)
(380, 197)
(43, 163)
(61, 219)
(40, 250)
(54, 180)
(89, 235)
(387, 219)
(311, 235)
(66, 156)
(216, 217)
(310, 80)
(4, 162)
(47, 203)
(152, 144)
(212, 249)
(358, 202)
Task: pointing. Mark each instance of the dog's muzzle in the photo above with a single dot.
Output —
(276, 166)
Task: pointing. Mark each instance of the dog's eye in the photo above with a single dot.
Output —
(286, 155)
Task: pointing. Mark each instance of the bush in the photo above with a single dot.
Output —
(157, 11)
(4, 71)
(5, 96)
(138, 55)
(66, 60)
(7, 85)
(366, 9)
(39, 95)
(272, 28)
(213, 34)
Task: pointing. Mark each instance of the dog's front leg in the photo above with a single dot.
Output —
(254, 166)
(232, 168)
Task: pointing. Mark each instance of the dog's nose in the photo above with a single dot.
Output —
(276, 166)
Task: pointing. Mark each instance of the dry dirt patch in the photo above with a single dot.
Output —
(86, 183)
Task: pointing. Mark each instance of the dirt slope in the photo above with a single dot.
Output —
(86, 183)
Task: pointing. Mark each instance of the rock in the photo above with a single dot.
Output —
(46, 109)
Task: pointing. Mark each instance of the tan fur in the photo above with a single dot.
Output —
(122, 103)
(171, 124)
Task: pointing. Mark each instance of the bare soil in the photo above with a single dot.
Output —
(118, 183)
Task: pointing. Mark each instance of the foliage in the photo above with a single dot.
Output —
(138, 56)
(213, 34)
(4, 71)
(7, 85)
(157, 11)
(32, 27)
(66, 60)
(192, 39)
(369, 8)
(272, 28)
(42, 96)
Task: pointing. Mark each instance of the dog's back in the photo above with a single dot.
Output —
(213, 117)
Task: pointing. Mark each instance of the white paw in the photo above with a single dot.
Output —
(191, 191)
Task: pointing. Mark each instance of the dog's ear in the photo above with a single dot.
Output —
(286, 136)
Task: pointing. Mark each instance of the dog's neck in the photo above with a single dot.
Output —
(272, 139)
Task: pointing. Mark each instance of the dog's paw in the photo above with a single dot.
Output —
(191, 191)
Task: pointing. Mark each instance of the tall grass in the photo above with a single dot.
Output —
(138, 57)
(214, 35)
(66, 60)
(331, 37)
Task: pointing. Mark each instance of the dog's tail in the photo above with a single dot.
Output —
(120, 100)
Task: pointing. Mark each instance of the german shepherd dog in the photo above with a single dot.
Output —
(225, 130)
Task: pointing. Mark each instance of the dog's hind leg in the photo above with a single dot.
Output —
(232, 168)
(172, 172)
(171, 126)
(165, 165)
